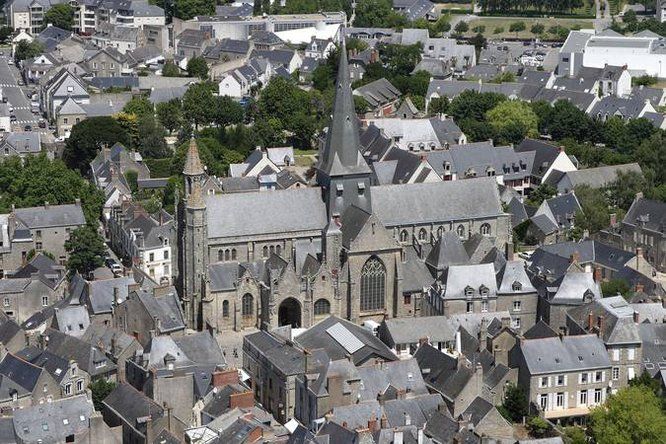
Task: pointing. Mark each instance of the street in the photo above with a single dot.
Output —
(16, 96)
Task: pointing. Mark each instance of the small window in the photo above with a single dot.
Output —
(45, 301)
(517, 305)
(470, 307)
(516, 286)
(225, 309)
(485, 229)
(404, 236)
(423, 234)
(460, 231)
(616, 373)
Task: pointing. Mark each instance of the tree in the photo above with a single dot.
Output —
(615, 287)
(651, 155)
(170, 69)
(647, 381)
(461, 27)
(27, 50)
(170, 114)
(504, 77)
(633, 415)
(515, 402)
(595, 213)
(228, 111)
(5, 33)
(100, 389)
(513, 120)
(480, 29)
(644, 80)
(60, 15)
(89, 136)
(575, 435)
(517, 27)
(86, 250)
(629, 17)
(541, 193)
(539, 427)
(197, 67)
(139, 106)
(537, 28)
(377, 13)
(565, 120)
(199, 103)
(438, 105)
(150, 141)
(498, 30)
(132, 178)
(187, 9)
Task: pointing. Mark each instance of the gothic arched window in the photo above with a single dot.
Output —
(278, 250)
(227, 255)
(461, 231)
(233, 254)
(220, 255)
(485, 229)
(322, 307)
(247, 308)
(440, 230)
(373, 285)
(423, 234)
(404, 236)
(264, 251)
(225, 309)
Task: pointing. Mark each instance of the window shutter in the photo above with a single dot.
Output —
(603, 376)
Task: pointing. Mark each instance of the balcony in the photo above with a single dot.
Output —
(564, 413)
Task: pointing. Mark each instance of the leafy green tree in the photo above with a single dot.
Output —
(60, 15)
(187, 9)
(541, 193)
(323, 77)
(474, 105)
(377, 13)
(170, 69)
(575, 435)
(651, 155)
(228, 111)
(479, 29)
(644, 80)
(199, 104)
(132, 178)
(632, 415)
(27, 50)
(615, 287)
(539, 427)
(595, 211)
(360, 105)
(86, 250)
(629, 18)
(504, 77)
(515, 402)
(170, 114)
(498, 30)
(89, 136)
(5, 33)
(565, 120)
(197, 67)
(537, 29)
(513, 120)
(646, 381)
(139, 106)
(461, 27)
(438, 105)
(150, 141)
(215, 156)
(100, 389)
(621, 191)
(517, 27)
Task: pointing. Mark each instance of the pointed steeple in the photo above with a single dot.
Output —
(342, 154)
(193, 165)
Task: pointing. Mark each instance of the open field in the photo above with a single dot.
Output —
(492, 23)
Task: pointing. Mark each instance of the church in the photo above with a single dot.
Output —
(346, 246)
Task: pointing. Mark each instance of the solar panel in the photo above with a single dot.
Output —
(345, 338)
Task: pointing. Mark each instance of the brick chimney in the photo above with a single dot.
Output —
(241, 400)
(597, 274)
(590, 321)
(372, 422)
(383, 422)
(225, 377)
(574, 258)
(639, 256)
(637, 317)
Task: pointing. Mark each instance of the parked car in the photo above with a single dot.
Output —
(42, 123)
(114, 266)
(27, 128)
(12, 118)
(4, 100)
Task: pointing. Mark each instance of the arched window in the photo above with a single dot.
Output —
(225, 309)
(220, 255)
(423, 234)
(248, 305)
(233, 254)
(440, 231)
(272, 249)
(264, 251)
(227, 255)
(373, 283)
(485, 229)
(322, 307)
(278, 249)
(404, 236)
(516, 286)
(461, 231)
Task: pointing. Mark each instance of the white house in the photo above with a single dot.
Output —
(239, 82)
(644, 54)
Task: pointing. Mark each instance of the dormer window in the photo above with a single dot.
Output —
(338, 190)
(483, 291)
(469, 292)
(361, 188)
(516, 286)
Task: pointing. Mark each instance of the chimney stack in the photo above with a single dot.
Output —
(372, 423)
(597, 275)
(639, 254)
(636, 317)
(383, 421)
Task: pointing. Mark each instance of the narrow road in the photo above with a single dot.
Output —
(16, 96)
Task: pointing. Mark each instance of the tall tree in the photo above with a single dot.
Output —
(139, 106)
(86, 250)
(88, 137)
(26, 50)
(170, 114)
(151, 143)
(197, 67)
(515, 402)
(228, 111)
(199, 103)
(632, 415)
(60, 15)
(513, 120)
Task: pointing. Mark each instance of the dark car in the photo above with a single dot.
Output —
(42, 123)
(27, 128)
(4, 100)
(12, 118)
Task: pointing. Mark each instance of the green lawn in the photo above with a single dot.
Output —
(491, 23)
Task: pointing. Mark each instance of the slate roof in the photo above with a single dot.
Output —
(20, 372)
(540, 330)
(545, 154)
(626, 108)
(400, 375)
(53, 216)
(54, 421)
(569, 354)
(458, 278)
(72, 320)
(588, 251)
(448, 250)
(406, 331)
(290, 210)
(650, 214)
(289, 360)
(99, 294)
(600, 176)
(88, 357)
(653, 337)
(130, 404)
(618, 325)
(397, 205)
(378, 92)
(573, 288)
(166, 308)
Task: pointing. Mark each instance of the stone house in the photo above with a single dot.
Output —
(107, 62)
(405, 335)
(564, 376)
(63, 85)
(643, 228)
(517, 295)
(118, 346)
(71, 380)
(614, 320)
(27, 383)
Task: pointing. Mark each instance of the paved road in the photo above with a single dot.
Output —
(16, 96)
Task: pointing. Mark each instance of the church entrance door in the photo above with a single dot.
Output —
(289, 313)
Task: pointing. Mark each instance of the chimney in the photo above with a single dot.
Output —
(639, 287)
(419, 436)
(458, 343)
(574, 258)
(636, 317)
(483, 331)
(639, 254)
(590, 321)
(397, 436)
(149, 429)
(225, 377)
(383, 421)
(600, 324)
(613, 219)
(506, 322)
(423, 341)
(77, 202)
(597, 275)
(372, 422)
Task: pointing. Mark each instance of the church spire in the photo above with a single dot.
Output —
(342, 154)
(193, 165)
